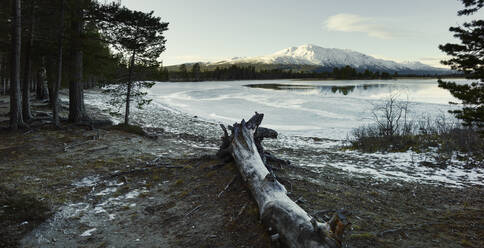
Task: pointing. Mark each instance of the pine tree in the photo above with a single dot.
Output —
(183, 72)
(468, 58)
(196, 72)
(139, 38)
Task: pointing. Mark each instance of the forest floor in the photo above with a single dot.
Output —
(108, 187)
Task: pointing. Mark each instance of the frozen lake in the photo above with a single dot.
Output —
(326, 109)
(298, 111)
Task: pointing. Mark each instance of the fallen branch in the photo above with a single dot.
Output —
(241, 211)
(277, 211)
(95, 149)
(227, 187)
(193, 210)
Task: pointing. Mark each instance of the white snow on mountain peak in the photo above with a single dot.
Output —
(310, 54)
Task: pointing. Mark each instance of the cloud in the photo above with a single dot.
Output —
(355, 23)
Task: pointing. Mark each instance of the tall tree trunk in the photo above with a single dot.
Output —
(51, 77)
(27, 115)
(39, 91)
(55, 103)
(32, 80)
(16, 120)
(128, 92)
(76, 100)
(2, 76)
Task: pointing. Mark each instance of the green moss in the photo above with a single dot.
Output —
(366, 235)
(355, 227)
(466, 243)
(183, 194)
(211, 173)
(103, 244)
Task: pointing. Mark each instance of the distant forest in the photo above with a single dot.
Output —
(194, 73)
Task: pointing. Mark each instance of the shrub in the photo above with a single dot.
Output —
(392, 131)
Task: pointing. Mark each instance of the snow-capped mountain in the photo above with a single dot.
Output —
(333, 57)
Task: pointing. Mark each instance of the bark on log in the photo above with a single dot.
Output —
(295, 227)
(261, 133)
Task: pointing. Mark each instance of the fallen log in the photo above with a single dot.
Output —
(225, 151)
(285, 220)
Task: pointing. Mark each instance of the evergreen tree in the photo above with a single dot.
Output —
(196, 72)
(139, 37)
(468, 58)
(183, 72)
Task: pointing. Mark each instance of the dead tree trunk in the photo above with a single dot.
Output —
(292, 225)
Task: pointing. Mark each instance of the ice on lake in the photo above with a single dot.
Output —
(328, 109)
(312, 117)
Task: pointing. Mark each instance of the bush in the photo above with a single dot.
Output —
(392, 131)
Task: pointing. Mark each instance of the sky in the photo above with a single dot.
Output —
(212, 30)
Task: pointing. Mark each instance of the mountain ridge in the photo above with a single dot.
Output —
(328, 58)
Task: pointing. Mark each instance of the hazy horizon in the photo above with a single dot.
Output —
(214, 30)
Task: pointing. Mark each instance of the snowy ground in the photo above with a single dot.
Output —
(310, 136)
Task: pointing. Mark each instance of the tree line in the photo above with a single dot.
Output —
(49, 44)
(240, 72)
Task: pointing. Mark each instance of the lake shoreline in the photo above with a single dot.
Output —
(117, 188)
(325, 79)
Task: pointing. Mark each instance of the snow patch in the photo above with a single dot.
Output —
(88, 232)
(87, 181)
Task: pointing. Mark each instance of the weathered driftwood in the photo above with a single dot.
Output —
(285, 219)
(261, 133)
